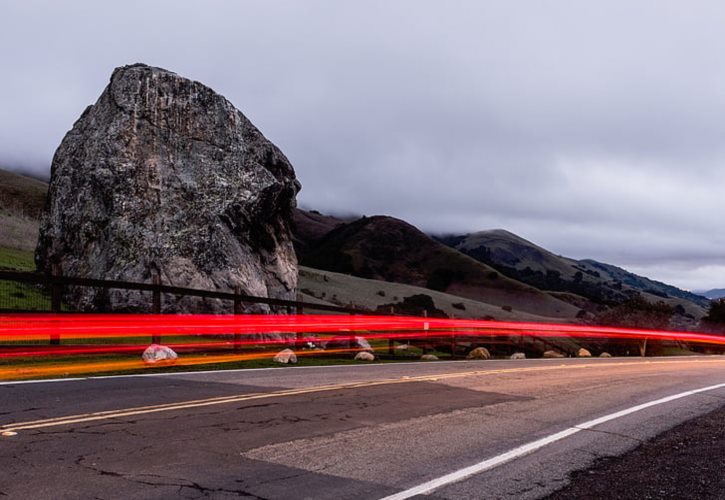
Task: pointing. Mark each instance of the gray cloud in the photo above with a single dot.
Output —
(593, 129)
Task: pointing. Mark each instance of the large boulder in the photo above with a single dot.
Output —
(163, 176)
(583, 353)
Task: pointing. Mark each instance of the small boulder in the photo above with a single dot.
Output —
(285, 356)
(402, 347)
(553, 354)
(429, 357)
(156, 353)
(605, 355)
(479, 353)
(364, 356)
(583, 353)
(518, 355)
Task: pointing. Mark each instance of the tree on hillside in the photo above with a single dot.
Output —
(715, 319)
(636, 312)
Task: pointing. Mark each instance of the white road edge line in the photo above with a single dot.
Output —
(392, 365)
(520, 451)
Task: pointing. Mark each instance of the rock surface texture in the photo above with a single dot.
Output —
(164, 176)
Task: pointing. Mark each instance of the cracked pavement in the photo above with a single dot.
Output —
(365, 442)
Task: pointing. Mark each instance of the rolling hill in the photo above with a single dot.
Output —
(388, 249)
(715, 293)
(601, 283)
(308, 227)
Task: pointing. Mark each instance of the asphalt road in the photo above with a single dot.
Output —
(367, 431)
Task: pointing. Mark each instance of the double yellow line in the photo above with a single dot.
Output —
(13, 428)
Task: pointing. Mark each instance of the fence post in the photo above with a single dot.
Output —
(237, 311)
(453, 339)
(56, 295)
(425, 332)
(156, 304)
(391, 342)
(643, 348)
(299, 309)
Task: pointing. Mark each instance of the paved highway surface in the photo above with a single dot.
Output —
(470, 429)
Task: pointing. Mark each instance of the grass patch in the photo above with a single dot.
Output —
(16, 260)
(23, 296)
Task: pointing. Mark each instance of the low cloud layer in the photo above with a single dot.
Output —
(595, 130)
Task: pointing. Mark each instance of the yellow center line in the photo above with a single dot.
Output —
(142, 410)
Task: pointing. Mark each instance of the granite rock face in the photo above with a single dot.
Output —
(164, 176)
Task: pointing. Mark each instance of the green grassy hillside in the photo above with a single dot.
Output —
(21, 203)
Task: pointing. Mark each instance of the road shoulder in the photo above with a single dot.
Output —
(685, 462)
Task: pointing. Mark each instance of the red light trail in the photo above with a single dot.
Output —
(202, 333)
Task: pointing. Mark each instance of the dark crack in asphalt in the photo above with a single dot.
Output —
(617, 434)
(182, 484)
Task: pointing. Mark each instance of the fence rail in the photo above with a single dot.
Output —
(55, 283)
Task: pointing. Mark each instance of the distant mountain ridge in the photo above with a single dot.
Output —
(715, 293)
(525, 261)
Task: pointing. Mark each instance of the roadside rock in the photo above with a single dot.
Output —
(605, 355)
(518, 355)
(158, 353)
(583, 353)
(163, 176)
(285, 356)
(429, 357)
(553, 354)
(364, 356)
(402, 347)
(479, 353)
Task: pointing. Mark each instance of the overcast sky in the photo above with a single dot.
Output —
(595, 129)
